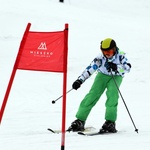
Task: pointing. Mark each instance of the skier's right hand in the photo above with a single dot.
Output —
(76, 84)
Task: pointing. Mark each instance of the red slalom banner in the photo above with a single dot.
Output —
(42, 51)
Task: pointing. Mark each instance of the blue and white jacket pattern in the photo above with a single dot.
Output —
(98, 64)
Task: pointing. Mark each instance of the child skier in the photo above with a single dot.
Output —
(111, 61)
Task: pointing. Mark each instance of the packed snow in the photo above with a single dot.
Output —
(29, 111)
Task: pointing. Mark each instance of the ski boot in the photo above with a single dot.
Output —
(76, 126)
(108, 127)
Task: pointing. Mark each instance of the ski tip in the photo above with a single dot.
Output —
(81, 133)
(51, 130)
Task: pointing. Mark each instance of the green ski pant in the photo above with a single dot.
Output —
(101, 83)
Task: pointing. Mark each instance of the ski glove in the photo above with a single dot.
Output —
(110, 65)
(76, 84)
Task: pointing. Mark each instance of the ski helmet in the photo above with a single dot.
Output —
(107, 44)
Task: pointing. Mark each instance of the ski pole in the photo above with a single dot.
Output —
(136, 130)
(53, 101)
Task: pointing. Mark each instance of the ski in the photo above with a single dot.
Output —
(89, 134)
(54, 131)
(87, 129)
(101, 132)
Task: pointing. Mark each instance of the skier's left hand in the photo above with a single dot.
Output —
(76, 84)
(110, 65)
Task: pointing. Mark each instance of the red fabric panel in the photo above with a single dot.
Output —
(42, 51)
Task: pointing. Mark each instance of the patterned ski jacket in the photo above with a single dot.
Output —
(98, 64)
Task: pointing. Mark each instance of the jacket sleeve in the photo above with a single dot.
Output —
(124, 66)
(94, 65)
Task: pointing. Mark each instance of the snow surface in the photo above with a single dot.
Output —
(29, 111)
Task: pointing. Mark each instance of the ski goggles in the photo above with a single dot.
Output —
(108, 53)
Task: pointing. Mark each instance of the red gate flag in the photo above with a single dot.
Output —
(42, 51)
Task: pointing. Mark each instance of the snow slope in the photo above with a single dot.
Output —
(29, 111)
